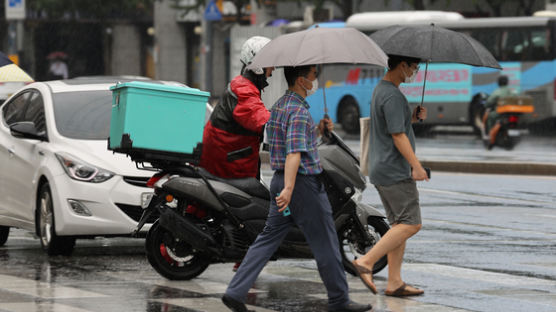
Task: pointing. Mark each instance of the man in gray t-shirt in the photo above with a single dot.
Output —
(394, 168)
(390, 113)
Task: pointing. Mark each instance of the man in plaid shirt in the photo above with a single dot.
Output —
(293, 137)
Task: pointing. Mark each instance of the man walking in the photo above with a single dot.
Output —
(293, 154)
(394, 168)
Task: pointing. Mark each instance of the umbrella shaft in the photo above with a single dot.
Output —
(424, 83)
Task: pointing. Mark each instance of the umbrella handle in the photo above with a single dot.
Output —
(423, 93)
(417, 113)
(325, 131)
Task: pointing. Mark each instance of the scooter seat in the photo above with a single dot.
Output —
(251, 186)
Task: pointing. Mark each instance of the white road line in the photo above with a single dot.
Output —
(43, 290)
(38, 307)
(201, 286)
(203, 304)
(479, 275)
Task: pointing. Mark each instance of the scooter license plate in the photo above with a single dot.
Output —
(513, 132)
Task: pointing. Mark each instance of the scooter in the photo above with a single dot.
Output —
(506, 130)
(203, 219)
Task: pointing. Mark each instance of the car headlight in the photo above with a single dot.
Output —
(82, 171)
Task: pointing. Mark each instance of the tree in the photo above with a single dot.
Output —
(347, 6)
(523, 7)
(93, 9)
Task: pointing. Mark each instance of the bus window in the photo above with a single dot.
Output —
(515, 45)
(490, 39)
(540, 39)
(529, 44)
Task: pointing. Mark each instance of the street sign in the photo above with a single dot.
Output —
(15, 9)
(212, 13)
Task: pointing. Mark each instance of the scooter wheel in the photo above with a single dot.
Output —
(172, 258)
(353, 246)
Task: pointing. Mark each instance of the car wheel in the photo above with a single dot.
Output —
(50, 242)
(348, 115)
(4, 232)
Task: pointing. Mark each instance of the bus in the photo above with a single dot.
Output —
(524, 47)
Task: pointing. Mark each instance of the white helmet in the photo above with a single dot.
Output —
(250, 48)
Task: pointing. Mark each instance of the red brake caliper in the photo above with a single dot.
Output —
(165, 254)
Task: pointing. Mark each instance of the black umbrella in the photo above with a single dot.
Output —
(433, 44)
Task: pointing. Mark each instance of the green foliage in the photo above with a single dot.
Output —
(345, 6)
(94, 9)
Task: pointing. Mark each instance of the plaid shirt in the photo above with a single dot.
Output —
(291, 129)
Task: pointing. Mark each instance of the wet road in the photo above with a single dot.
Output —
(488, 244)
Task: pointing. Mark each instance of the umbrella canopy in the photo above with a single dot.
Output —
(434, 44)
(320, 46)
(10, 72)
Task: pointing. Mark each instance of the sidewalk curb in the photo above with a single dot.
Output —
(492, 167)
(486, 167)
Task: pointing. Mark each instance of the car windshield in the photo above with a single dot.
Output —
(83, 115)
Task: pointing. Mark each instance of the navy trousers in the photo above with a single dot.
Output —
(311, 212)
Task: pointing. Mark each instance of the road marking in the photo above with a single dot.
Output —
(505, 198)
(480, 275)
(385, 303)
(489, 226)
(201, 286)
(201, 304)
(38, 307)
(43, 290)
(541, 215)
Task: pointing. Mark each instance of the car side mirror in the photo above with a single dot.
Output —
(26, 130)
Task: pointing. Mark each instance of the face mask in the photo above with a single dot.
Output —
(411, 78)
(314, 88)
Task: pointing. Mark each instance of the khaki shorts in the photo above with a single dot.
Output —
(401, 202)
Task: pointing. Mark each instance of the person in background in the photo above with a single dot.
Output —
(58, 69)
(292, 137)
(394, 168)
(234, 132)
(492, 125)
(232, 136)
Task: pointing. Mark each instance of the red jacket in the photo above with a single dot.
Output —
(232, 135)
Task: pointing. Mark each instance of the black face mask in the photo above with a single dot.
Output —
(258, 80)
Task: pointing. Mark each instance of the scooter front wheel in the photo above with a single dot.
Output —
(171, 257)
(353, 245)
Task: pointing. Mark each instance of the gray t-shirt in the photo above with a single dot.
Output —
(390, 113)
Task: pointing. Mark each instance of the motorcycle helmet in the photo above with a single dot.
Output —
(249, 49)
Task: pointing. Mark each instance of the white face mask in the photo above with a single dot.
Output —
(411, 78)
(314, 88)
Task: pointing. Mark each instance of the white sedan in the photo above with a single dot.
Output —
(57, 177)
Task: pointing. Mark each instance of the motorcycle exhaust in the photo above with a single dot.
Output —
(188, 231)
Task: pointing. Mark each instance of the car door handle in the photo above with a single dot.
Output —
(11, 152)
(41, 153)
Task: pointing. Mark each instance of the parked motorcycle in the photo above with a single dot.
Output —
(203, 219)
(507, 130)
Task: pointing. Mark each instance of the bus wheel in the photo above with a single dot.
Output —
(348, 115)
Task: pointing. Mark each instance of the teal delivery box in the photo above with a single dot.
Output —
(157, 119)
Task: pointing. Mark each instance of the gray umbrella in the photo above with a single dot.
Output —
(434, 44)
(320, 46)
